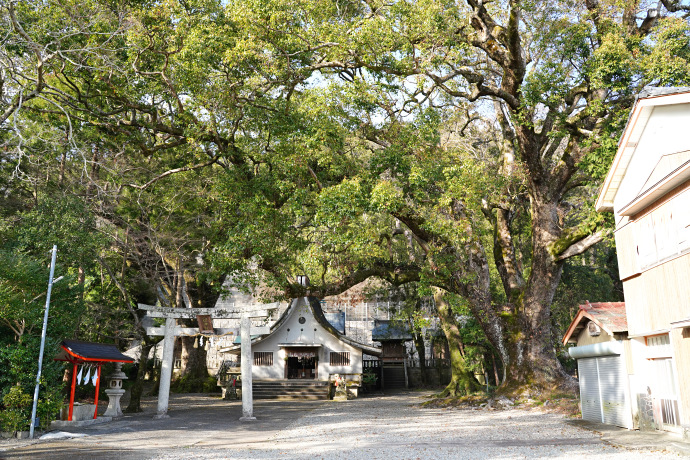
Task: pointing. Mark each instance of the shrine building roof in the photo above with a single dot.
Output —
(390, 330)
(76, 351)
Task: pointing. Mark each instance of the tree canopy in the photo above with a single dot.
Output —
(455, 144)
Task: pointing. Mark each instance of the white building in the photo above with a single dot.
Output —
(302, 344)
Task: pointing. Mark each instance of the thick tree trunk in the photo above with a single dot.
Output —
(193, 359)
(533, 360)
(421, 352)
(137, 388)
(462, 381)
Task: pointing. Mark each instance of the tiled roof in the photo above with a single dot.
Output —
(654, 91)
(89, 351)
(385, 330)
(610, 316)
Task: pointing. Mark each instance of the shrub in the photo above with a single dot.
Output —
(188, 384)
(17, 412)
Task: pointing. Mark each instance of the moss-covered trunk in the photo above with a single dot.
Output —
(462, 380)
(526, 342)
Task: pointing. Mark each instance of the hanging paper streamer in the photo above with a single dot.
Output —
(88, 374)
(94, 379)
(81, 368)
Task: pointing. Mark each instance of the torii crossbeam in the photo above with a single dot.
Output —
(170, 330)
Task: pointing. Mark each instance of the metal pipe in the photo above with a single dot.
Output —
(43, 341)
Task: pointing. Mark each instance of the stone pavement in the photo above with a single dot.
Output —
(636, 440)
(380, 427)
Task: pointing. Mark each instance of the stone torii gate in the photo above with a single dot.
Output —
(171, 330)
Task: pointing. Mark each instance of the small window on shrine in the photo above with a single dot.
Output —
(340, 358)
(263, 358)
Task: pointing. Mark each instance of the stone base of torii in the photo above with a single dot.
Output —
(171, 330)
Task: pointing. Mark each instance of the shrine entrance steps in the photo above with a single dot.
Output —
(290, 389)
(393, 376)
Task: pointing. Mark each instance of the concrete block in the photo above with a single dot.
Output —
(80, 412)
(57, 424)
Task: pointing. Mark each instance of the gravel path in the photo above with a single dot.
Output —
(382, 427)
(394, 427)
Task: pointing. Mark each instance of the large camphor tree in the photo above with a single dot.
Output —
(452, 143)
(556, 80)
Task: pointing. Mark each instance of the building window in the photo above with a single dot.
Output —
(263, 358)
(177, 364)
(340, 358)
(658, 346)
(658, 340)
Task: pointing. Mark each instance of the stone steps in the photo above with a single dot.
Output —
(290, 389)
(393, 377)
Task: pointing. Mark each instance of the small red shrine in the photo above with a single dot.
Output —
(79, 353)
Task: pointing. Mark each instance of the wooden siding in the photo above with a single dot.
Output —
(681, 350)
(585, 339)
(627, 251)
(658, 296)
(654, 263)
(660, 233)
(640, 318)
(627, 355)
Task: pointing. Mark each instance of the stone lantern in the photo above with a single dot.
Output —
(115, 392)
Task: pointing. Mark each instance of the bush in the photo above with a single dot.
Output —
(189, 384)
(17, 412)
(48, 408)
(369, 378)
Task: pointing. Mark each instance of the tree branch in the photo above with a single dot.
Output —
(581, 245)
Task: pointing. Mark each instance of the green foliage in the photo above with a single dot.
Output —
(23, 286)
(331, 139)
(668, 60)
(191, 384)
(17, 410)
(65, 221)
(369, 378)
(15, 413)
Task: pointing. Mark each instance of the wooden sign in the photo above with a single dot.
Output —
(205, 324)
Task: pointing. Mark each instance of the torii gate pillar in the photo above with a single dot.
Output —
(246, 363)
(170, 331)
(166, 369)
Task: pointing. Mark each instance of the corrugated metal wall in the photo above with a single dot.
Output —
(589, 389)
(602, 390)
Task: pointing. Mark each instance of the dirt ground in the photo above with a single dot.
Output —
(376, 427)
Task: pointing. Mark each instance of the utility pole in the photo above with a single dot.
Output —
(43, 341)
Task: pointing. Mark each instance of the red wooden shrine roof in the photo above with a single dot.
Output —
(76, 351)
